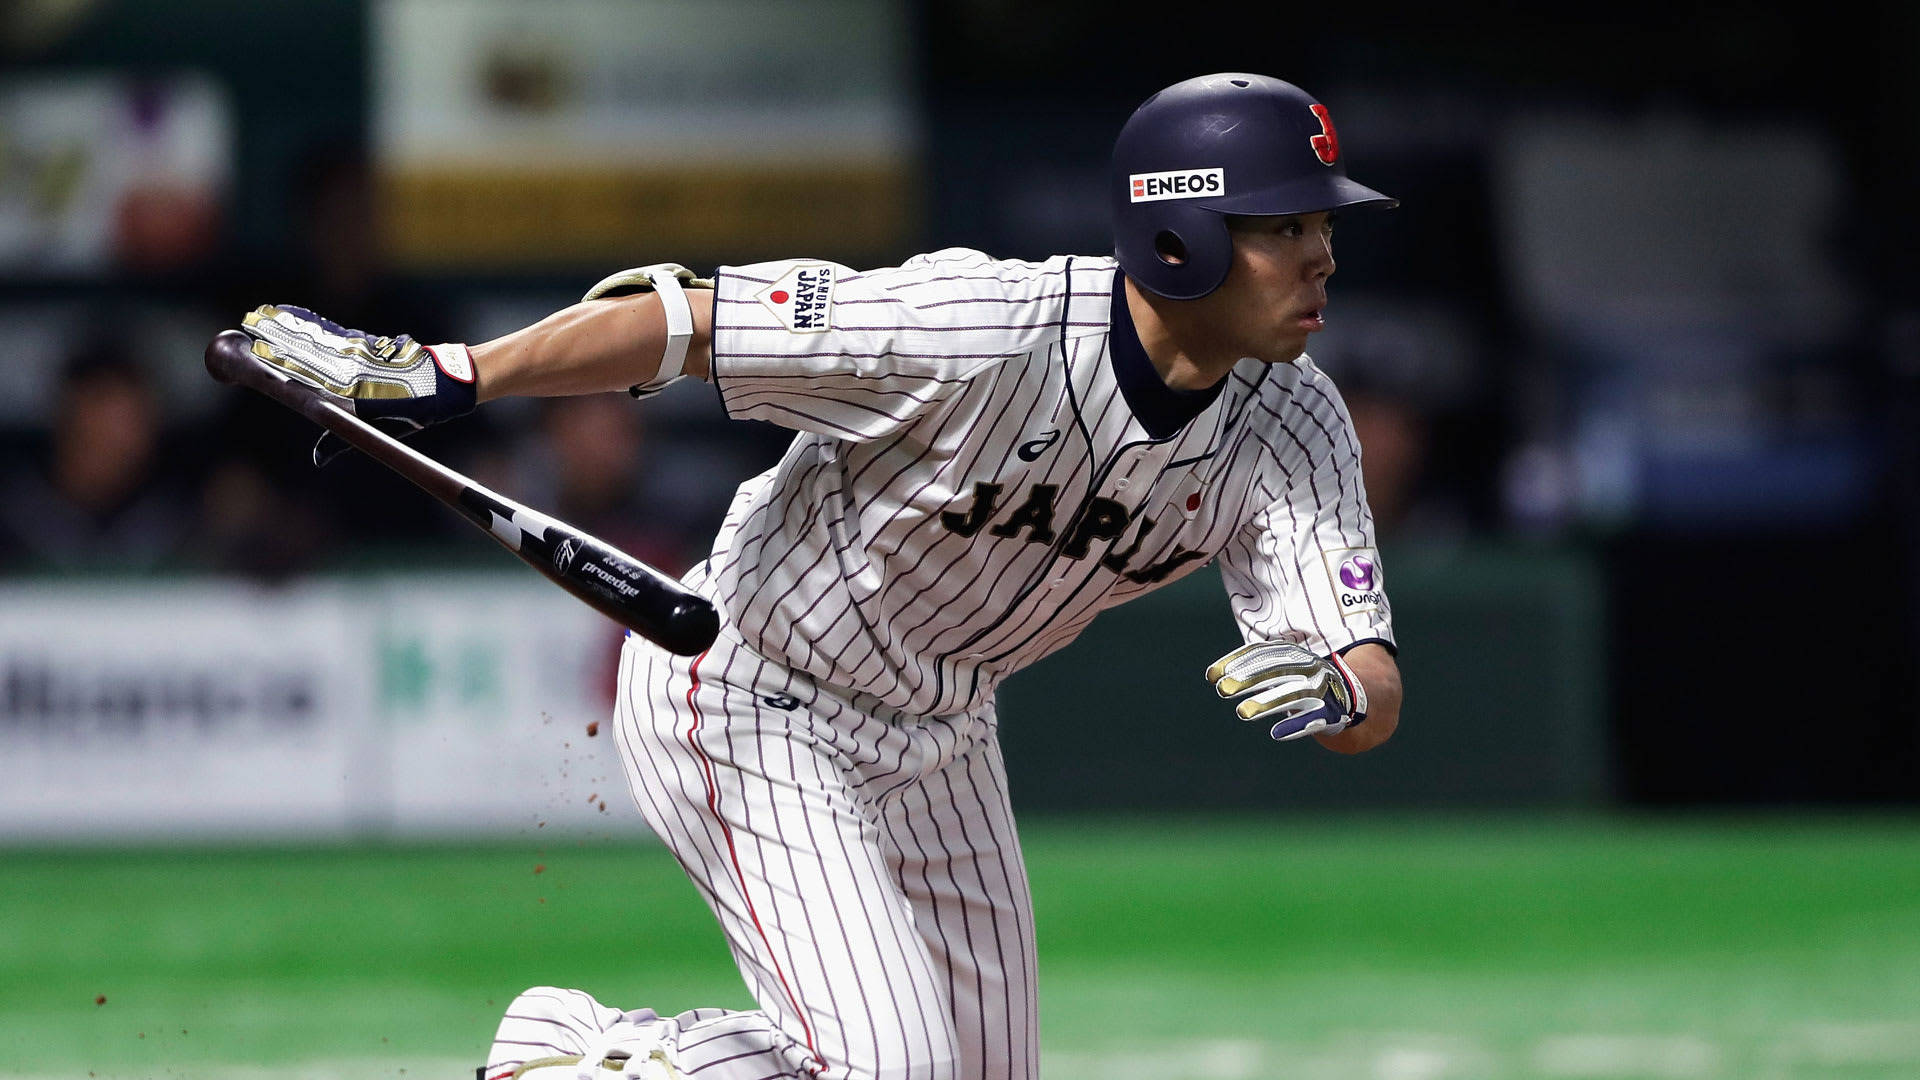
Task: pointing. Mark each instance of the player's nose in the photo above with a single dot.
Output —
(1320, 265)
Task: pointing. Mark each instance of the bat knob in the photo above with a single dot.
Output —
(227, 353)
(691, 627)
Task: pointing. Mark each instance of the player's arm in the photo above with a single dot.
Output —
(1380, 675)
(1304, 579)
(640, 328)
(592, 347)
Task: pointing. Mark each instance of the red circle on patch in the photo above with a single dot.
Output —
(1193, 502)
(779, 296)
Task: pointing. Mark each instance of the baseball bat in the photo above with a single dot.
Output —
(609, 580)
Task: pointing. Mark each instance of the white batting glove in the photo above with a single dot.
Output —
(1297, 691)
(396, 383)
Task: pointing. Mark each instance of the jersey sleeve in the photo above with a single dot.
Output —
(1306, 568)
(860, 355)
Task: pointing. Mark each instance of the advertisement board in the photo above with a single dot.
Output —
(102, 172)
(421, 705)
(521, 134)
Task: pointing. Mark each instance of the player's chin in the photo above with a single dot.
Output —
(1285, 348)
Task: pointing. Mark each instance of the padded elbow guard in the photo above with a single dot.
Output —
(669, 280)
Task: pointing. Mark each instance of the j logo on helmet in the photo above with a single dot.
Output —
(1326, 144)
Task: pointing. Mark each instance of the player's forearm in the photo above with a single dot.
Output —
(591, 347)
(1376, 669)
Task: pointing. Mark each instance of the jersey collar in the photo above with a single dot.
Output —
(1161, 409)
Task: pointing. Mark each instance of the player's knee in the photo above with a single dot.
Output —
(547, 1021)
(917, 1067)
(903, 1055)
(573, 1009)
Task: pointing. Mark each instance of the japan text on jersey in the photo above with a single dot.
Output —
(987, 461)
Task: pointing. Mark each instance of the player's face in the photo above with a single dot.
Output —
(1275, 293)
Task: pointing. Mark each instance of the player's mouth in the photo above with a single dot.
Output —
(1313, 321)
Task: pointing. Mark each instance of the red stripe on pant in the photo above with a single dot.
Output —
(713, 804)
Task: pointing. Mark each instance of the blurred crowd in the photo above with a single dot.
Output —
(111, 485)
(1570, 329)
(116, 481)
(1647, 309)
(120, 478)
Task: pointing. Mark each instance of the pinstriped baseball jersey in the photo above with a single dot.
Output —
(987, 459)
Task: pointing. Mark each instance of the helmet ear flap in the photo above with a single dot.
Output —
(1170, 249)
(1179, 252)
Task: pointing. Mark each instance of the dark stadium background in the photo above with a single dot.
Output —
(1696, 683)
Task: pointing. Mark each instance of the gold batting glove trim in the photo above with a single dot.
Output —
(358, 390)
(1251, 665)
(269, 322)
(350, 367)
(1279, 702)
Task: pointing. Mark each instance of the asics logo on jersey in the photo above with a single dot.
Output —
(1096, 519)
(1181, 184)
(1031, 450)
(784, 702)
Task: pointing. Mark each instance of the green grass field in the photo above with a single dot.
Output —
(1388, 949)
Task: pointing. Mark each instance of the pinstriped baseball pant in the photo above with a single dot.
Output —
(862, 863)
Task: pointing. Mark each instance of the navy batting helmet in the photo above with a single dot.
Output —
(1212, 146)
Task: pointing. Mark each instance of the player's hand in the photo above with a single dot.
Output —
(1295, 690)
(395, 382)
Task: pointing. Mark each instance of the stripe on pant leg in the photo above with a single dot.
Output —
(733, 853)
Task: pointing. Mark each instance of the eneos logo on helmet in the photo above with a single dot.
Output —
(1180, 184)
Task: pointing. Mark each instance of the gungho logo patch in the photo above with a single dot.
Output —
(802, 298)
(1355, 574)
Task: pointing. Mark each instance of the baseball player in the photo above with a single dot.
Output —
(989, 453)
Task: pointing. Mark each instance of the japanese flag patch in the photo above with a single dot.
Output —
(1189, 495)
(1355, 573)
(802, 298)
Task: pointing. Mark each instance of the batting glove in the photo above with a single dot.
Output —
(396, 383)
(1298, 692)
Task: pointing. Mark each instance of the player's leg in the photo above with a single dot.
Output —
(546, 1022)
(548, 1029)
(952, 842)
(737, 767)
